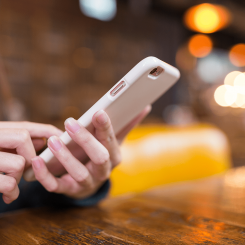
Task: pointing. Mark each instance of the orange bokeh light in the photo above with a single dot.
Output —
(237, 55)
(200, 45)
(207, 18)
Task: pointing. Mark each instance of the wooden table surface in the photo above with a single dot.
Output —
(208, 211)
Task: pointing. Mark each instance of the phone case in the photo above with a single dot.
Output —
(127, 98)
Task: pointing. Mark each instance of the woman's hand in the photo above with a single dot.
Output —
(102, 147)
(17, 150)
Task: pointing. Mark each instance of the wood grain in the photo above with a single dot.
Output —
(208, 211)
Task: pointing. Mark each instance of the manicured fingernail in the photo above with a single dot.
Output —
(36, 162)
(72, 125)
(101, 117)
(54, 143)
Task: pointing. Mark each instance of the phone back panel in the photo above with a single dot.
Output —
(140, 90)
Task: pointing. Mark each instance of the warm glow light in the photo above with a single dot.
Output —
(225, 95)
(239, 83)
(230, 78)
(207, 18)
(240, 100)
(237, 55)
(234, 105)
(184, 59)
(200, 45)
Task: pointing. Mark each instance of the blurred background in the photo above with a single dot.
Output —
(58, 57)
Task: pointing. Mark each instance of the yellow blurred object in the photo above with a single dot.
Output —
(200, 45)
(156, 155)
(207, 18)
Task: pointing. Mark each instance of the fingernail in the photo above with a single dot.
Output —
(54, 143)
(29, 175)
(36, 162)
(72, 125)
(101, 117)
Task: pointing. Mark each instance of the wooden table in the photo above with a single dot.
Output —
(208, 211)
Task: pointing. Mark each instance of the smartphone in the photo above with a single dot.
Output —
(141, 86)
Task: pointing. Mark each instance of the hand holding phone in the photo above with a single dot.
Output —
(141, 86)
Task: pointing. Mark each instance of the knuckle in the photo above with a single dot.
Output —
(85, 139)
(83, 177)
(24, 135)
(10, 185)
(63, 156)
(107, 139)
(104, 177)
(103, 158)
(20, 164)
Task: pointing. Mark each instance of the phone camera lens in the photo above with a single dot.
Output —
(153, 71)
(156, 71)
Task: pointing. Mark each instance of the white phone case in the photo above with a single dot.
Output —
(127, 98)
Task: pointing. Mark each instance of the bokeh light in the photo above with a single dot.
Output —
(104, 10)
(200, 45)
(214, 67)
(210, 69)
(230, 78)
(207, 18)
(225, 95)
(184, 59)
(83, 57)
(240, 100)
(239, 83)
(237, 55)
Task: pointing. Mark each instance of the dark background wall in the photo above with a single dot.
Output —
(60, 62)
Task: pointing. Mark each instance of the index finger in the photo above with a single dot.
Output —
(20, 140)
(36, 130)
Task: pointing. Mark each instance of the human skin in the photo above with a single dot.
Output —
(19, 142)
(102, 148)
(99, 151)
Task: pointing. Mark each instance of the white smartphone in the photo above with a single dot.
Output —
(141, 86)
